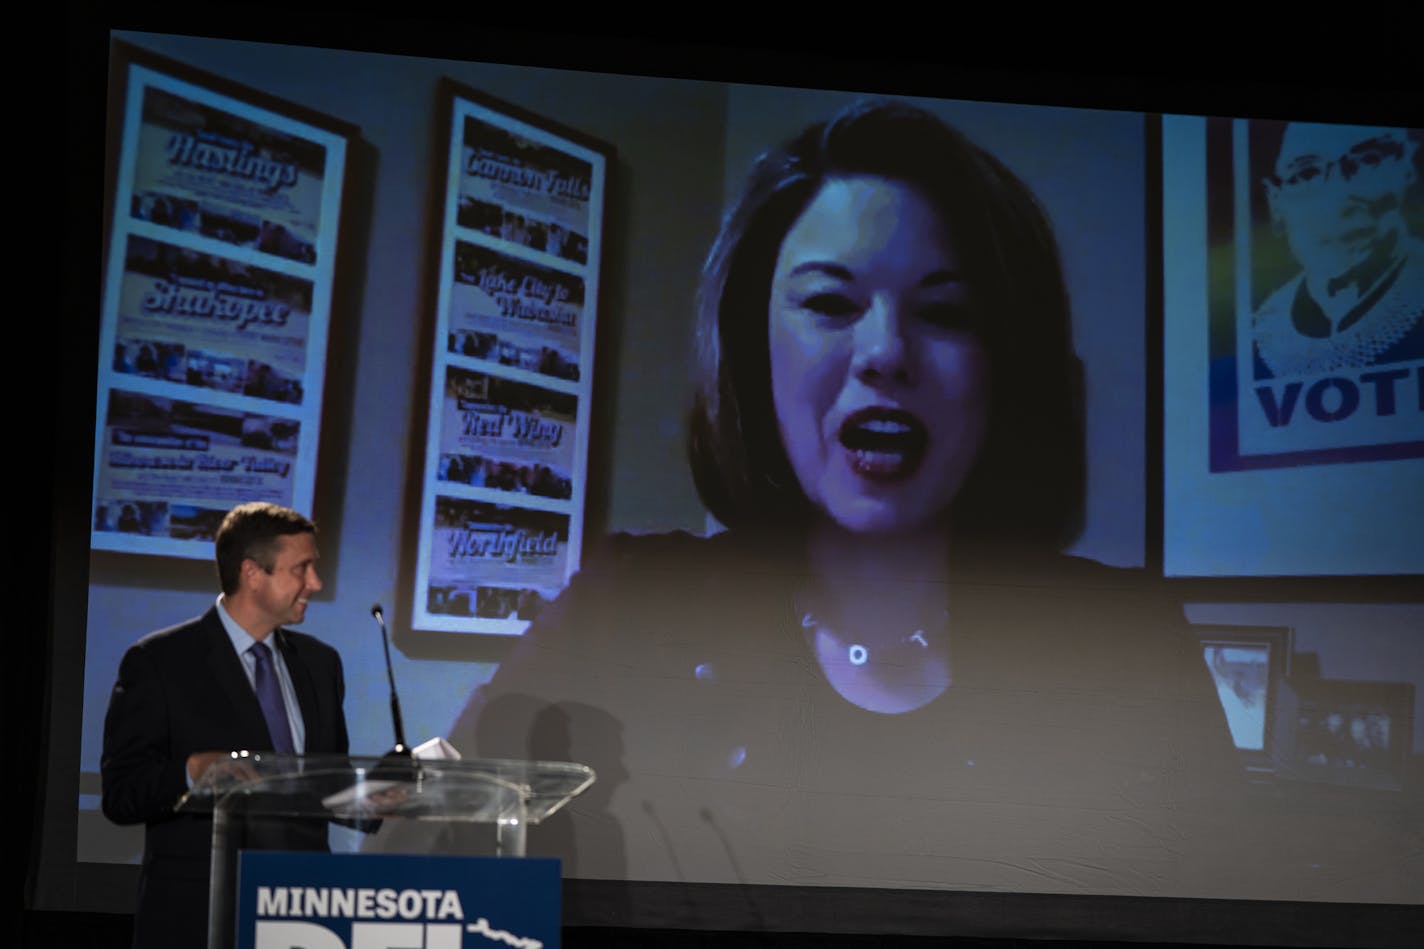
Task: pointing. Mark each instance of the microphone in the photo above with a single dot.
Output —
(401, 750)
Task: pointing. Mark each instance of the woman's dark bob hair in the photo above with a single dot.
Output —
(1027, 486)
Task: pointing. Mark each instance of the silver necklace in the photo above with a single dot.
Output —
(858, 654)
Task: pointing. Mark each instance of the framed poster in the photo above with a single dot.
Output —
(506, 448)
(1293, 348)
(216, 308)
(1317, 338)
(1250, 666)
(1354, 733)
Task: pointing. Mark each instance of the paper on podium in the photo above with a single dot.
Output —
(380, 795)
(436, 749)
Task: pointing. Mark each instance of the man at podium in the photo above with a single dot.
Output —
(233, 678)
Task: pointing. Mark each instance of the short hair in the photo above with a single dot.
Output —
(1028, 482)
(250, 532)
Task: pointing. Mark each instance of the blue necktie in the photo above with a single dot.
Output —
(269, 696)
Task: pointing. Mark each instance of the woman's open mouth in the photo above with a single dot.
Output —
(884, 444)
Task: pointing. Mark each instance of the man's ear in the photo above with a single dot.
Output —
(249, 571)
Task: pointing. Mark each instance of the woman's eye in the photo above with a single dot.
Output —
(832, 305)
(947, 315)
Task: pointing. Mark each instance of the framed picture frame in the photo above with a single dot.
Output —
(1250, 666)
(1354, 734)
(503, 476)
(220, 267)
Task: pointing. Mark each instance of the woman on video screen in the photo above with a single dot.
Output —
(883, 672)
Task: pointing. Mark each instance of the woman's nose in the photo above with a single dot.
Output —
(882, 352)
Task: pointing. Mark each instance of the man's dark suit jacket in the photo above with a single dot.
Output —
(183, 690)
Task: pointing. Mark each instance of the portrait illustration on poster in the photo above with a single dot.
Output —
(1317, 288)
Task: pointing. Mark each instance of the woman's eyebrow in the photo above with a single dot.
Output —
(826, 267)
(934, 278)
(1383, 143)
(944, 275)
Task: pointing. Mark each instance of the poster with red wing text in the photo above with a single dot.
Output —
(507, 436)
(506, 448)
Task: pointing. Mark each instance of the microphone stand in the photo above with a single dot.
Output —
(398, 764)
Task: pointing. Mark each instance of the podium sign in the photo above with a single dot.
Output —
(386, 901)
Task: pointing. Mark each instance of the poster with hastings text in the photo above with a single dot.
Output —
(208, 171)
(217, 307)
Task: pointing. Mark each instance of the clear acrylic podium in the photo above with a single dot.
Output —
(268, 801)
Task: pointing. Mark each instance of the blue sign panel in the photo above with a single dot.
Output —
(385, 901)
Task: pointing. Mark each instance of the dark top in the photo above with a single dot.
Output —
(183, 690)
(1081, 745)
